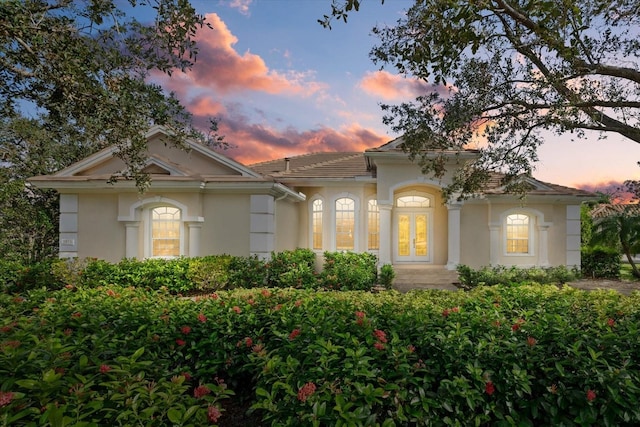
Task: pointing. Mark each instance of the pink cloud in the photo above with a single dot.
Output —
(615, 189)
(219, 67)
(256, 142)
(393, 86)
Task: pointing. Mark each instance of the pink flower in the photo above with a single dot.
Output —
(378, 346)
(298, 303)
(294, 334)
(277, 307)
(411, 348)
(251, 301)
(186, 375)
(445, 312)
(489, 388)
(237, 309)
(67, 331)
(202, 318)
(76, 315)
(515, 327)
(360, 314)
(455, 309)
(201, 390)
(180, 342)
(611, 322)
(104, 369)
(306, 391)
(213, 414)
(5, 398)
(248, 342)
(265, 293)
(185, 330)
(591, 395)
(380, 335)
(214, 296)
(531, 341)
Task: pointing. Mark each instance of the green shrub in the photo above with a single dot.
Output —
(349, 271)
(294, 269)
(247, 272)
(501, 275)
(526, 355)
(386, 276)
(601, 262)
(209, 273)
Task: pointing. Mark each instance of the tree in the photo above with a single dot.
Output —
(512, 69)
(78, 69)
(74, 79)
(620, 229)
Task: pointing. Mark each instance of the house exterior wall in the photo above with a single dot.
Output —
(100, 235)
(474, 235)
(287, 225)
(226, 224)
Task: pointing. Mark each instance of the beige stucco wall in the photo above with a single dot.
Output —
(479, 217)
(226, 226)
(100, 235)
(474, 235)
(287, 228)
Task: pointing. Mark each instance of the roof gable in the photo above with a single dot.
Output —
(163, 159)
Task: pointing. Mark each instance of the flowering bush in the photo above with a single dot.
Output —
(496, 355)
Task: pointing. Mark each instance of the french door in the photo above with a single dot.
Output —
(412, 236)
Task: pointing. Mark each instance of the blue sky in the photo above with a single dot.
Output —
(283, 85)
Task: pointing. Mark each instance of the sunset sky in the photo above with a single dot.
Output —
(282, 85)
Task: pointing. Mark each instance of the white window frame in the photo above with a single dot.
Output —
(356, 221)
(148, 231)
(323, 219)
(368, 218)
(531, 234)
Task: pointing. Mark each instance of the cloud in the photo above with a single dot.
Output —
(259, 142)
(615, 189)
(221, 69)
(396, 87)
(241, 5)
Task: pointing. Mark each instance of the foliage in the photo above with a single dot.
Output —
(349, 271)
(501, 275)
(74, 70)
(527, 355)
(621, 230)
(247, 272)
(503, 72)
(294, 269)
(386, 276)
(600, 261)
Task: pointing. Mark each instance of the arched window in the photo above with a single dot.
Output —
(518, 234)
(345, 224)
(316, 224)
(166, 233)
(413, 201)
(373, 225)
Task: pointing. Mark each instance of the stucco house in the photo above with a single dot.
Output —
(201, 202)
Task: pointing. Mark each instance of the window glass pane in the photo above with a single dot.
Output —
(518, 234)
(413, 202)
(345, 224)
(165, 231)
(373, 225)
(317, 224)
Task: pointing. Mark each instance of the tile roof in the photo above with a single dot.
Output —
(604, 210)
(316, 165)
(348, 165)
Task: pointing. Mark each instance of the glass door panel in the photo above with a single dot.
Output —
(421, 243)
(404, 235)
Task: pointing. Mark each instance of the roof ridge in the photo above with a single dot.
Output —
(347, 155)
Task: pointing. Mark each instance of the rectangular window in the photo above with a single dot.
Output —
(373, 225)
(345, 224)
(517, 234)
(165, 232)
(317, 225)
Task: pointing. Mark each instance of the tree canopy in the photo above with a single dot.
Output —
(511, 69)
(77, 70)
(74, 78)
